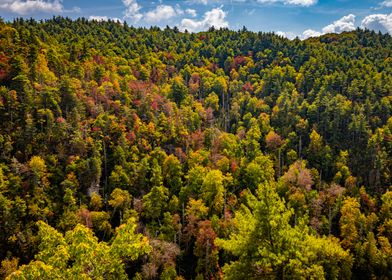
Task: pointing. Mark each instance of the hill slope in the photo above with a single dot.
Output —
(233, 153)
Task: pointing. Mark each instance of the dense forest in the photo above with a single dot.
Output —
(148, 153)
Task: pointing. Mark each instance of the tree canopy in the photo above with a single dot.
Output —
(149, 153)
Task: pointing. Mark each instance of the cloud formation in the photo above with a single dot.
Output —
(378, 22)
(386, 3)
(288, 35)
(304, 3)
(215, 17)
(22, 7)
(160, 13)
(205, 2)
(191, 12)
(132, 10)
(103, 18)
(346, 23)
(310, 33)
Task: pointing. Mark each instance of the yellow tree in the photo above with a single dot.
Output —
(79, 254)
(266, 246)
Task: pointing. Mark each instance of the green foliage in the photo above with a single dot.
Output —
(155, 202)
(277, 148)
(213, 190)
(120, 199)
(259, 171)
(267, 246)
(79, 254)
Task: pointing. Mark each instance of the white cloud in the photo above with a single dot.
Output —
(346, 23)
(160, 13)
(386, 3)
(288, 35)
(310, 33)
(132, 10)
(191, 12)
(98, 18)
(32, 6)
(304, 3)
(157, 15)
(215, 17)
(378, 22)
(178, 10)
(103, 18)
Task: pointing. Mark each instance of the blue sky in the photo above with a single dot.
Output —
(290, 18)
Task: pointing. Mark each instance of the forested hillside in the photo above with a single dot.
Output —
(134, 153)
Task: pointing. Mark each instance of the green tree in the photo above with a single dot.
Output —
(155, 202)
(79, 255)
(260, 170)
(213, 190)
(267, 246)
(172, 173)
(178, 90)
